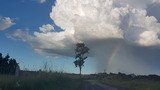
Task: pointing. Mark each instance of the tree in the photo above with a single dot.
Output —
(8, 65)
(5, 64)
(1, 58)
(12, 66)
(80, 52)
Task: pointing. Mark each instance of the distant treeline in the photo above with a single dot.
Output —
(8, 65)
(125, 76)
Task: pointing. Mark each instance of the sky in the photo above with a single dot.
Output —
(123, 36)
(29, 15)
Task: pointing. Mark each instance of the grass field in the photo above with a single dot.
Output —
(65, 81)
(132, 84)
(42, 81)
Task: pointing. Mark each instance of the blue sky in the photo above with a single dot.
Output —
(121, 34)
(29, 14)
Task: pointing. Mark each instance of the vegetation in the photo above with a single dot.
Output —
(80, 51)
(34, 80)
(40, 81)
(8, 65)
(131, 82)
(48, 80)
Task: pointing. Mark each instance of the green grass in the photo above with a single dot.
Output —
(43, 81)
(133, 84)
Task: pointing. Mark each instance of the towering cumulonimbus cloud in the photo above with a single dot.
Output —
(101, 19)
(121, 34)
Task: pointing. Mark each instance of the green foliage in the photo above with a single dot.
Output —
(133, 84)
(8, 65)
(80, 51)
(40, 81)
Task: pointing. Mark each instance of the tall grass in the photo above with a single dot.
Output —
(140, 84)
(40, 81)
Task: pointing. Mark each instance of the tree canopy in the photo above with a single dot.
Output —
(8, 65)
(80, 52)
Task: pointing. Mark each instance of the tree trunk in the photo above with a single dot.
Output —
(80, 68)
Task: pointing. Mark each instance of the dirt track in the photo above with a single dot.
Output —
(93, 85)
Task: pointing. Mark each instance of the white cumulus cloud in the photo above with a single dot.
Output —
(106, 19)
(5, 22)
(41, 1)
(46, 28)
